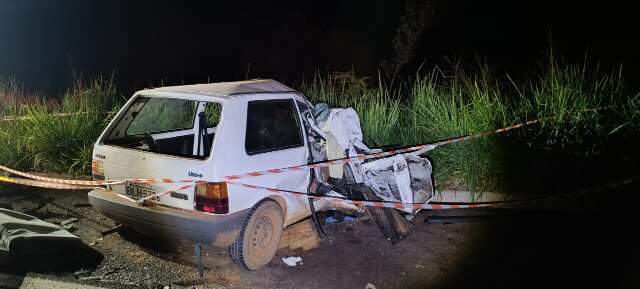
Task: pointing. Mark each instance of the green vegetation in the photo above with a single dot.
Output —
(55, 135)
(581, 107)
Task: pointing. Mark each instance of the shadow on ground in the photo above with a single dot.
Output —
(543, 249)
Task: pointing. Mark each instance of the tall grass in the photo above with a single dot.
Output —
(379, 108)
(581, 106)
(43, 140)
(576, 102)
(435, 107)
(443, 107)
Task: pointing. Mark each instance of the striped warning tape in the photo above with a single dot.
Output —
(451, 205)
(43, 184)
(57, 183)
(60, 181)
(94, 183)
(377, 204)
(361, 157)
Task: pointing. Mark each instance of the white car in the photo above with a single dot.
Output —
(206, 132)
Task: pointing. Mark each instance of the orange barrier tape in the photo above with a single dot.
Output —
(94, 183)
(393, 152)
(377, 204)
(277, 171)
(56, 183)
(42, 184)
(447, 205)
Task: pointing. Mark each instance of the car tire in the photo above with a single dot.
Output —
(259, 236)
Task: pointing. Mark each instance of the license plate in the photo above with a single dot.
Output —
(138, 191)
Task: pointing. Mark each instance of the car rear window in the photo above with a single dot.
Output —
(272, 125)
(162, 114)
(170, 126)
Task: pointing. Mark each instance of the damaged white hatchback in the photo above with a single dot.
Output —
(208, 131)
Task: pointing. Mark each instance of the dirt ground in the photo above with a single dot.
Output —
(588, 246)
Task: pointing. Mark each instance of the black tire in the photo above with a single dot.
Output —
(259, 236)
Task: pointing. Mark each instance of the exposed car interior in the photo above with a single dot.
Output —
(169, 126)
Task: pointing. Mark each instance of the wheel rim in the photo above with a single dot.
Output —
(263, 235)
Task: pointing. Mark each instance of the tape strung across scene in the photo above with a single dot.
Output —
(56, 183)
(378, 204)
(412, 149)
(43, 184)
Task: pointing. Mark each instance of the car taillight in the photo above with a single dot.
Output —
(97, 170)
(212, 198)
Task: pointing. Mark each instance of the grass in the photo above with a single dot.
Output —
(576, 102)
(443, 107)
(582, 107)
(43, 140)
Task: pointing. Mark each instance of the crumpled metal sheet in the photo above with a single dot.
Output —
(401, 178)
(16, 227)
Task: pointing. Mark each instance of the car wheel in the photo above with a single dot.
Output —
(259, 236)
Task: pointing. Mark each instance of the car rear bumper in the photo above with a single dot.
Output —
(218, 230)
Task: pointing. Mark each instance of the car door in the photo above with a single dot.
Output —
(273, 139)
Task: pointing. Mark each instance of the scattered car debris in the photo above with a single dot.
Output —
(112, 230)
(302, 235)
(68, 223)
(338, 219)
(81, 205)
(292, 261)
(95, 242)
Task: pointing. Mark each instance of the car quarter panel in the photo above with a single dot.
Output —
(232, 158)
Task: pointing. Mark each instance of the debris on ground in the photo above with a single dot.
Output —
(302, 235)
(68, 223)
(112, 230)
(81, 205)
(292, 261)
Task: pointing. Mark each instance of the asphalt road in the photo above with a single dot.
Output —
(589, 242)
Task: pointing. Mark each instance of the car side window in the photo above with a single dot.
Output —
(272, 125)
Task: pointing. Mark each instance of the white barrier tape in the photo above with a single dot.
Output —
(43, 184)
(423, 148)
(95, 183)
(446, 205)
(377, 204)
(55, 114)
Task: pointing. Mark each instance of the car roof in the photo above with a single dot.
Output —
(226, 89)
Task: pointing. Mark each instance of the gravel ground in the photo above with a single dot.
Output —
(529, 250)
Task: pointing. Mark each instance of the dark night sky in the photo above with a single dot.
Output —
(150, 41)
